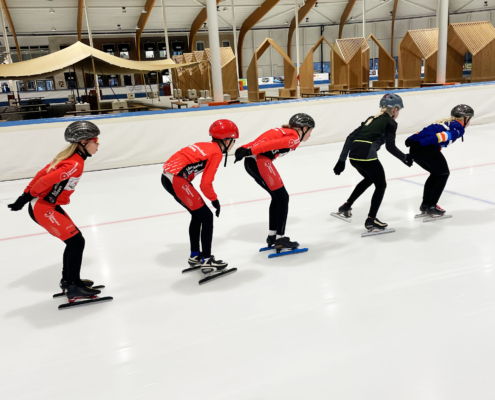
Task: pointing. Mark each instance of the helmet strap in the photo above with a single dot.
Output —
(304, 132)
(227, 151)
(85, 151)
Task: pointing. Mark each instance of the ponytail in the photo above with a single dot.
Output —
(442, 121)
(63, 155)
(382, 111)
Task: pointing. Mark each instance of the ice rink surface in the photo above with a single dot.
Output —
(409, 315)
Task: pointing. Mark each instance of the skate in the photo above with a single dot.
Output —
(435, 213)
(270, 241)
(376, 227)
(83, 282)
(344, 213)
(422, 208)
(81, 296)
(214, 269)
(194, 264)
(284, 247)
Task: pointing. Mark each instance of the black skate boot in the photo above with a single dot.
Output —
(270, 240)
(195, 261)
(435, 211)
(82, 282)
(375, 224)
(285, 243)
(344, 212)
(422, 208)
(75, 292)
(214, 269)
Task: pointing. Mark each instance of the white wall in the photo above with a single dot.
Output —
(152, 138)
(309, 35)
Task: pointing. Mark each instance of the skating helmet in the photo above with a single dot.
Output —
(301, 120)
(391, 100)
(81, 130)
(224, 129)
(461, 111)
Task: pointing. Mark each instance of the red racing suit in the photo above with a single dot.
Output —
(52, 189)
(269, 146)
(189, 162)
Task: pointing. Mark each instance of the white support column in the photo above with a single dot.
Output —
(364, 22)
(97, 85)
(12, 84)
(234, 30)
(297, 44)
(443, 26)
(216, 66)
(169, 56)
(87, 24)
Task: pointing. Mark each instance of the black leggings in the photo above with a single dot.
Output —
(279, 206)
(373, 173)
(201, 225)
(432, 160)
(73, 253)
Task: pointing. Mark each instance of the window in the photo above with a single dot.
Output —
(70, 80)
(124, 50)
(109, 49)
(162, 47)
(149, 50)
(177, 48)
(200, 46)
(113, 80)
(31, 85)
(127, 80)
(226, 43)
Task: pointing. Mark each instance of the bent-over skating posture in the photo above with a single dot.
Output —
(48, 191)
(178, 173)
(426, 151)
(362, 146)
(259, 156)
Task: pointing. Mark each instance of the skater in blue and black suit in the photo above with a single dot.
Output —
(426, 151)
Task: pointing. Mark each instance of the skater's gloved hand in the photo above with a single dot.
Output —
(242, 152)
(216, 204)
(20, 202)
(408, 160)
(339, 167)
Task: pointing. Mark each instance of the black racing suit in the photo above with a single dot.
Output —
(362, 145)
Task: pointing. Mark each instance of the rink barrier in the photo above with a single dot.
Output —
(131, 139)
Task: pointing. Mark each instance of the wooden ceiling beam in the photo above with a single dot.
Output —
(11, 26)
(80, 6)
(394, 13)
(143, 19)
(196, 26)
(249, 22)
(345, 16)
(303, 11)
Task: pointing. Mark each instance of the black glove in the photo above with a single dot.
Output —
(20, 202)
(216, 204)
(339, 167)
(408, 160)
(242, 152)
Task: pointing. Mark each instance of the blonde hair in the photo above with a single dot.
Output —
(442, 121)
(63, 155)
(383, 110)
(285, 126)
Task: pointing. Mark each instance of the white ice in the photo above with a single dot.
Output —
(409, 315)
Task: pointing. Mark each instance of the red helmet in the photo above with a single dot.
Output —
(224, 129)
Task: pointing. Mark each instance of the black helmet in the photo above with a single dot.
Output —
(81, 130)
(462, 110)
(391, 100)
(301, 120)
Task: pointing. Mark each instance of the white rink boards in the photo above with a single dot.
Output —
(409, 315)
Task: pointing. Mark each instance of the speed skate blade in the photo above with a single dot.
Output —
(185, 271)
(288, 253)
(84, 303)
(63, 293)
(221, 274)
(340, 216)
(431, 218)
(420, 215)
(378, 232)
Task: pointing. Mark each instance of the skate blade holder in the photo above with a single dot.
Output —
(210, 276)
(191, 269)
(374, 232)
(287, 252)
(341, 216)
(80, 303)
(56, 295)
(431, 218)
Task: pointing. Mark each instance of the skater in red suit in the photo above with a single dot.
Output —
(178, 174)
(50, 189)
(259, 156)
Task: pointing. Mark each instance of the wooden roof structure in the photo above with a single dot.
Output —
(306, 69)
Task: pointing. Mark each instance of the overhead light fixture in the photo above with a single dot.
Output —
(137, 27)
(144, 11)
(218, 8)
(123, 10)
(286, 22)
(52, 11)
(316, 4)
(351, 18)
(486, 3)
(225, 9)
(204, 25)
(307, 19)
(54, 29)
(118, 26)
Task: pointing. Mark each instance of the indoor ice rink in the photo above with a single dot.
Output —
(408, 315)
